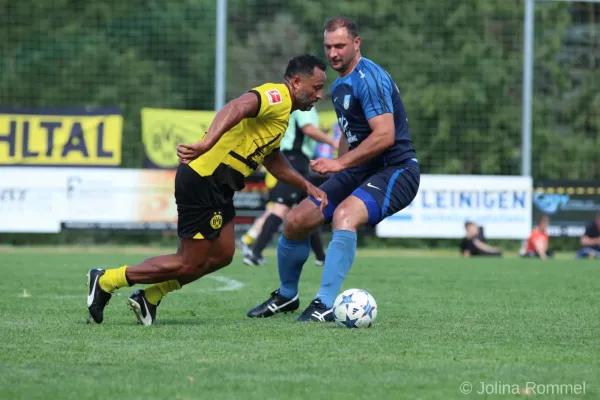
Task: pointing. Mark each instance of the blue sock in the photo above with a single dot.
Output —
(339, 259)
(291, 256)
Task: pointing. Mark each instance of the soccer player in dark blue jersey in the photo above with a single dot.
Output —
(377, 177)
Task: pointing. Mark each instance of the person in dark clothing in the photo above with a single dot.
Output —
(475, 244)
(590, 240)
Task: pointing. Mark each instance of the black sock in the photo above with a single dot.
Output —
(316, 244)
(270, 226)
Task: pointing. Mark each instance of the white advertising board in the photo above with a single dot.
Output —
(31, 200)
(501, 204)
(36, 199)
(120, 199)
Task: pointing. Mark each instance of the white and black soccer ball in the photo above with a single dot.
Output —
(355, 308)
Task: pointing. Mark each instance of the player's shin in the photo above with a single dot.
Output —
(291, 256)
(340, 256)
(155, 293)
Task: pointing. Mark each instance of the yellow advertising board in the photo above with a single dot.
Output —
(164, 129)
(74, 137)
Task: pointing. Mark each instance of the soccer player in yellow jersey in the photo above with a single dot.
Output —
(243, 135)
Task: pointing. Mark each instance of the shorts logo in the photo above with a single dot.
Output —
(371, 186)
(274, 96)
(216, 221)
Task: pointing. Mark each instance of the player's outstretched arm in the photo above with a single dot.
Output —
(382, 137)
(229, 116)
(279, 167)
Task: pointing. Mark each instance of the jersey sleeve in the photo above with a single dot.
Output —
(375, 94)
(304, 118)
(273, 101)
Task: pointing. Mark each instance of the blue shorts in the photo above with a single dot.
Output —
(384, 191)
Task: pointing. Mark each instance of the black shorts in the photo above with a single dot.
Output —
(203, 206)
(284, 193)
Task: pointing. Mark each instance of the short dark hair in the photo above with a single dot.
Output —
(304, 65)
(342, 22)
(543, 218)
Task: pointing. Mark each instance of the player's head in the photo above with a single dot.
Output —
(342, 43)
(306, 77)
(543, 222)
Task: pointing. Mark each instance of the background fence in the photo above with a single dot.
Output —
(458, 64)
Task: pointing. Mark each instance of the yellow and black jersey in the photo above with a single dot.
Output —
(243, 148)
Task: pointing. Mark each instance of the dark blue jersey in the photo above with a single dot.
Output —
(369, 91)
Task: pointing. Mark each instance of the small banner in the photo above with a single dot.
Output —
(569, 204)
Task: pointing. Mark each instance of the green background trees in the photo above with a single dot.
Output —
(458, 64)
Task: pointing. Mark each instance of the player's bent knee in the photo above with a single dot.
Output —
(349, 217)
(302, 220)
(215, 263)
(298, 226)
(294, 222)
(343, 219)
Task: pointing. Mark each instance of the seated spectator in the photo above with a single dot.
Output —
(474, 243)
(537, 244)
(590, 241)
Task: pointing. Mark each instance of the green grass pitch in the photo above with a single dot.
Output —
(442, 321)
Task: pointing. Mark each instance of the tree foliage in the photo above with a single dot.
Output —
(458, 64)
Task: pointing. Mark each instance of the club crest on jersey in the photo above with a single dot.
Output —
(216, 221)
(274, 96)
(347, 101)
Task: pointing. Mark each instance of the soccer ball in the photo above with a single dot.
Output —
(355, 308)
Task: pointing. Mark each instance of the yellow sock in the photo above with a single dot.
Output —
(248, 238)
(113, 279)
(156, 292)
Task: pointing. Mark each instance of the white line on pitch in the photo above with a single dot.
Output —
(229, 285)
